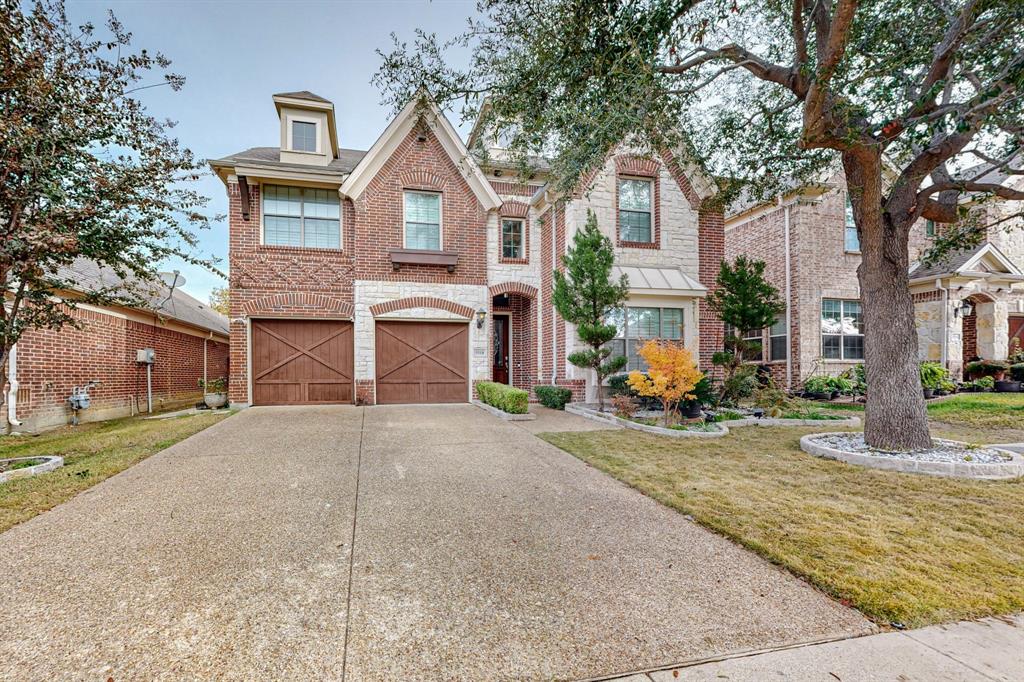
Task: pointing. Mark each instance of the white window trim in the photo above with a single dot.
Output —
(619, 209)
(440, 217)
(522, 238)
(303, 119)
(341, 219)
(821, 330)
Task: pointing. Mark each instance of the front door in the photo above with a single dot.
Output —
(1016, 332)
(500, 370)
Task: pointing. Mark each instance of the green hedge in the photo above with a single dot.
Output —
(504, 397)
(554, 397)
(1017, 371)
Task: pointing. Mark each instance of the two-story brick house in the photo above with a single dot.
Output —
(809, 243)
(410, 271)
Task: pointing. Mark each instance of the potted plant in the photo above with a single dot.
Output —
(818, 388)
(215, 392)
(946, 387)
(840, 385)
(986, 368)
(703, 394)
(932, 376)
(1016, 375)
(984, 384)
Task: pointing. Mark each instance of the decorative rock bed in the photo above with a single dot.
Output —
(502, 414)
(42, 465)
(946, 458)
(721, 428)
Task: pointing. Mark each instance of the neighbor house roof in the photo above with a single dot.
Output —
(968, 260)
(346, 161)
(88, 276)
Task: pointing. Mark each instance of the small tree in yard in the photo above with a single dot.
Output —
(85, 172)
(585, 295)
(920, 103)
(671, 375)
(745, 301)
(220, 301)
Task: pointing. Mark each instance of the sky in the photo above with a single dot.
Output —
(235, 55)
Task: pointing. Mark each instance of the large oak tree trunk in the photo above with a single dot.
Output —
(895, 415)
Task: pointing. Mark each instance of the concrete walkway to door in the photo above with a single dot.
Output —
(480, 552)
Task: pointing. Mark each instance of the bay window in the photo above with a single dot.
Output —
(637, 325)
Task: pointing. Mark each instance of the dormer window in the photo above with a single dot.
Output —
(303, 136)
(422, 220)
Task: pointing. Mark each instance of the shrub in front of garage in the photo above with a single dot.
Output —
(502, 396)
(554, 397)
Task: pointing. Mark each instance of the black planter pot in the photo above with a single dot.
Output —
(691, 410)
(1007, 387)
(818, 396)
(929, 393)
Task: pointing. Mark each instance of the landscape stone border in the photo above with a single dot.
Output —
(51, 462)
(589, 413)
(772, 421)
(502, 414)
(977, 470)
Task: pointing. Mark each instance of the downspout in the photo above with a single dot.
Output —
(554, 314)
(945, 321)
(789, 301)
(12, 378)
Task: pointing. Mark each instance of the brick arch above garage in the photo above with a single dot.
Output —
(298, 304)
(421, 302)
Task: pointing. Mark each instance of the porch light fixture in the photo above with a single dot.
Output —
(965, 309)
(481, 315)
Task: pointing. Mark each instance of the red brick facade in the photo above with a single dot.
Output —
(51, 363)
(359, 281)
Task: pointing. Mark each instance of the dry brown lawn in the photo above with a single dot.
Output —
(92, 453)
(902, 548)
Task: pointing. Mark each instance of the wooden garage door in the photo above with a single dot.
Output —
(301, 362)
(422, 362)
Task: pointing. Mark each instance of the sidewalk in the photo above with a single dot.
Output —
(982, 651)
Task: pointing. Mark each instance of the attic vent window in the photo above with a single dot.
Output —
(303, 136)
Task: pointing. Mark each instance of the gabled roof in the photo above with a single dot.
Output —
(87, 276)
(397, 131)
(303, 94)
(984, 258)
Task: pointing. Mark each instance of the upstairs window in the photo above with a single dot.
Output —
(512, 238)
(423, 220)
(852, 240)
(635, 211)
(929, 228)
(842, 330)
(303, 136)
(297, 216)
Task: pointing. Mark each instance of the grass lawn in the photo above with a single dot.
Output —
(901, 548)
(92, 452)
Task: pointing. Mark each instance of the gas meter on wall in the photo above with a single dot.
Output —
(145, 356)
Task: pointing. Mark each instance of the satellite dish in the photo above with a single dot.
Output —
(173, 280)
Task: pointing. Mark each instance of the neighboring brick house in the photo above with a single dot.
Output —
(190, 341)
(409, 272)
(809, 243)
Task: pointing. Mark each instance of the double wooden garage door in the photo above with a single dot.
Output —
(308, 362)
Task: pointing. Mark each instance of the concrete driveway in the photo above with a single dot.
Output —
(480, 553)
